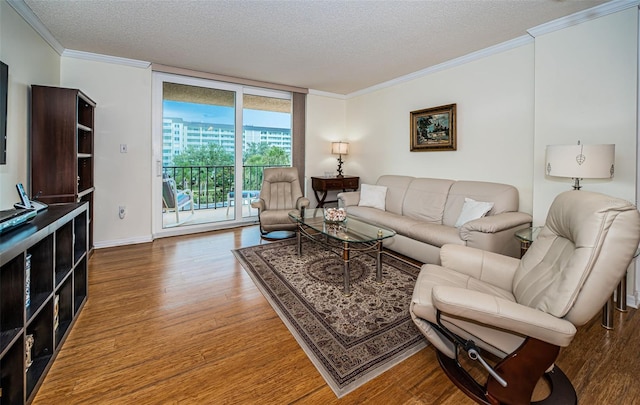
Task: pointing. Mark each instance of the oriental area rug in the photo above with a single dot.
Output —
(350, 340)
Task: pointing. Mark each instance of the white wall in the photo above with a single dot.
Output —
(31, 61)
(494, 97)
(586, 85)
(586, 89)
(122, 116)
(325, 121)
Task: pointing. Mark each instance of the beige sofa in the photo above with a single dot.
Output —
(424, 212)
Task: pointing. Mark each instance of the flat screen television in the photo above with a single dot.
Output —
(4, 84)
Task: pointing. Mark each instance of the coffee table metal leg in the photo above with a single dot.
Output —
(379, 263)
(299, 240)
(345, 257)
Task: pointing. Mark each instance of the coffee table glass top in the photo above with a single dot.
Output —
(352, 229)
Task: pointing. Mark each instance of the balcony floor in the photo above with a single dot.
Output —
(204, 216)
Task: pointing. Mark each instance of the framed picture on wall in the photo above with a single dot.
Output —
(433, 129)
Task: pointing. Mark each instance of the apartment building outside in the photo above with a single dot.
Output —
(178, 135)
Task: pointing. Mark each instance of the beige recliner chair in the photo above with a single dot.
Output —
(280, 194)
(524, 310)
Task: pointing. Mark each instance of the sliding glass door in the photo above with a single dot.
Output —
(211, 148)
(266, 139)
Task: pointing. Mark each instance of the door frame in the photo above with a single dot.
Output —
(157, 126)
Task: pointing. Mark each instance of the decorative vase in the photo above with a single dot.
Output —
(334, 215)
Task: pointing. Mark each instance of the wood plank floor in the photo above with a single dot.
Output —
(178, 321)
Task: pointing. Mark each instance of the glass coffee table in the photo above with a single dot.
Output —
(351, 235)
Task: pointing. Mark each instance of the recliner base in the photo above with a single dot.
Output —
(277, 235)
(562, 391)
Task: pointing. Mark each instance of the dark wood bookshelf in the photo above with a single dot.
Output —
(62, 147)
(56, 245)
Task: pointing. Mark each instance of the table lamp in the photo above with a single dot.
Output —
(580, 162)
(340, 148)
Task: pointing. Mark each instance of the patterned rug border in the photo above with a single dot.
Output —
(393, 358)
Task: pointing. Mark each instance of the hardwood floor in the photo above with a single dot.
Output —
(178, 321)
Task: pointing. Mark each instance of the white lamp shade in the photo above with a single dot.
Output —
(580, 161)
(340, 148)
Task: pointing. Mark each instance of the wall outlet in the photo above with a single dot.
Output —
(122, 211)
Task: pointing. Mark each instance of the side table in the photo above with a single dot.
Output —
(326, 184)
(526, 237)
(620, 303)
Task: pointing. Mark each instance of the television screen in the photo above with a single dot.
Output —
(4, 84)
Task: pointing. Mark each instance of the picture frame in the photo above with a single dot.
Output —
(434, 129)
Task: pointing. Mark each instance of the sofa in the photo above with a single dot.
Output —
(428, 213)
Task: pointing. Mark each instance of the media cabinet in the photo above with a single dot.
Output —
(47, 257)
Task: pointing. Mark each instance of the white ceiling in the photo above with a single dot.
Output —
(333, 46)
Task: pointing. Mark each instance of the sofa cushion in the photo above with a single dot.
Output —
(426, 198)
(471, 210)
(396, 190)
(434, 234)
(372, 196)
(396, 222)
(504, 197)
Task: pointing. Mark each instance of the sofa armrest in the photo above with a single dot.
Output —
(495, 223)
(504, 314)
(490, 267)
(348, 198)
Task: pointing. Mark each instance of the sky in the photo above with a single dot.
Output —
(224, 115)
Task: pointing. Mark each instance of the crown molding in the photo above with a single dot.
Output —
(327, 94)
(492, 50)
(560, 23)
(583, 16)
(25, 12)
(106, 58)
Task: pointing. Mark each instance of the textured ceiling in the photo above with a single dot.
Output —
(333, 46)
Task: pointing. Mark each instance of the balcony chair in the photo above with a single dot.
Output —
(280, 193)
(247, 197)
(174, 199)
(524, 310)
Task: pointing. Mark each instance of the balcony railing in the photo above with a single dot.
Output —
(211, 185)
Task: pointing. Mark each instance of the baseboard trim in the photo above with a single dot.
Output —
(122, 242)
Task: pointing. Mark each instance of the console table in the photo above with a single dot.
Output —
(326, 184)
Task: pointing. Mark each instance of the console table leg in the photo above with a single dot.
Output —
(347, 277)
(320, 199)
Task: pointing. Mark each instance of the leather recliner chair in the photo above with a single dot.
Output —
(280, 194)
(524, 310)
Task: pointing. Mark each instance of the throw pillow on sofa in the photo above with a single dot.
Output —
(373, 196)
(472, 210)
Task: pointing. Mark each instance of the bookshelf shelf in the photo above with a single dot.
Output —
(49, 254)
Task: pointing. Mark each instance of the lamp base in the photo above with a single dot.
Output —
(576, 184)
(340, 166)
